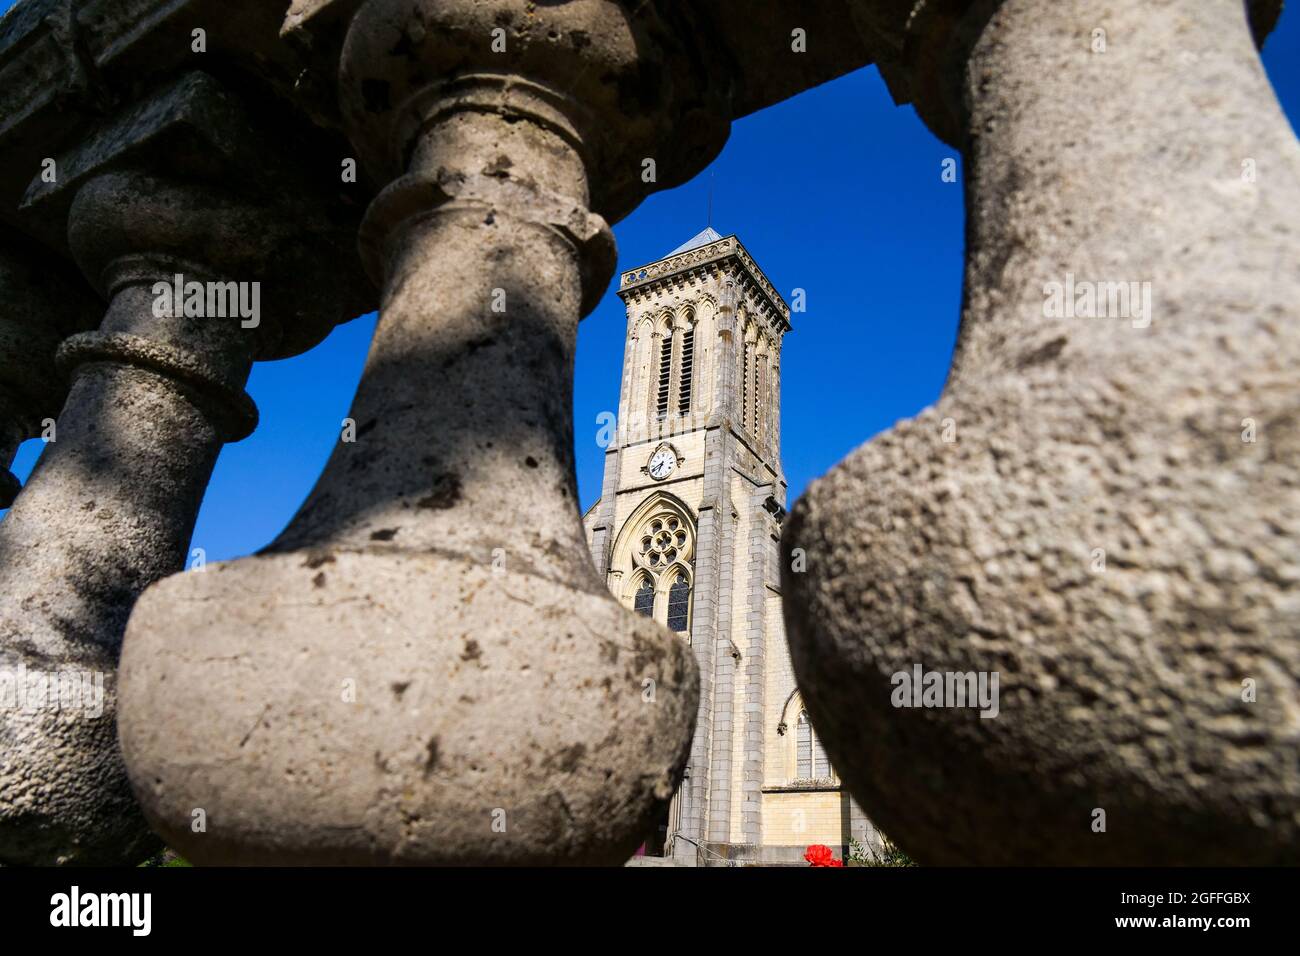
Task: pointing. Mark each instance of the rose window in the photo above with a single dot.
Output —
(663, 542)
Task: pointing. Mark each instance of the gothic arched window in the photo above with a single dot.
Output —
(645, 599)
(679, 604)
(811, 762)
(642, 362)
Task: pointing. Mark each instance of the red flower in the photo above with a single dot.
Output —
(821, 855)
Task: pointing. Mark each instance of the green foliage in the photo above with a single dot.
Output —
(166, 858)
(889, 854)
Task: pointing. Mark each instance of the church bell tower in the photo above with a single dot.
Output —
(686, 531)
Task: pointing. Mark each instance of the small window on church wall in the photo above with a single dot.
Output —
(645, 599)
(679, 600)
(821, 763)
(811, 760)
(803, 768)
(688, 361)
(665, 374)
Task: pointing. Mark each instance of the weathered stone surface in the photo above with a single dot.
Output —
(920, 48)
(68, 65)
(1120, 690)
(519, 689)
(399, 706)
(621, 82)
(112, 503)
(109, 508)
(701, 64)
(428, 669)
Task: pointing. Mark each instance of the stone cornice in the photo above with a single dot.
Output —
(67, 66)
(725, 252)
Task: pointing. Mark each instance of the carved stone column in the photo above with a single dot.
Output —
(1102, 509)
(429, 669)
(155, 392)
(42, 305)
(110, 508)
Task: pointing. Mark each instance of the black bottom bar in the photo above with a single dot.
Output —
(849, 906)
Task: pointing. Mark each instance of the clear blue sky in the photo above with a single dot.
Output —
(836, 191)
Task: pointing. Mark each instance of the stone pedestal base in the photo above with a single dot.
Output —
(499, 717)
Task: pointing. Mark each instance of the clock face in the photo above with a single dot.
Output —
(662, 463)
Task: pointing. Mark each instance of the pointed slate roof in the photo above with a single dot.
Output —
(699, 239)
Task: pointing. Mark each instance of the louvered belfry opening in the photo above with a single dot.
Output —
(665, 374)
(688, 357)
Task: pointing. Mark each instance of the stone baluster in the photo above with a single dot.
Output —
(1102, 508)
(155, 392)
(109, 509)
(42, 306)
(429, 669)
